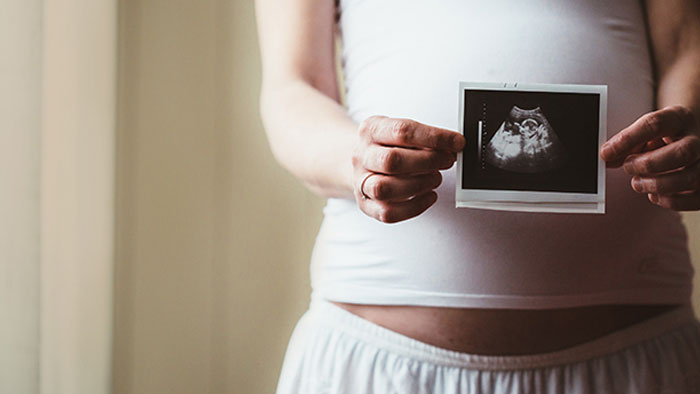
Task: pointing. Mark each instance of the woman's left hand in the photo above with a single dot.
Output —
(661, 150)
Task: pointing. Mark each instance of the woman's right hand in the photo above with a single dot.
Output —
(396, 166)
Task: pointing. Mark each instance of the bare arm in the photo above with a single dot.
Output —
(309, 132)
(390, 166)
(661, 150)
(675, 38)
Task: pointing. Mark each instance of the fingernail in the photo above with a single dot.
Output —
(628, 166)
(636, 184)
(458, 142)
(653, 198)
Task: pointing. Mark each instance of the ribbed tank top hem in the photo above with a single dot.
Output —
(393, 296)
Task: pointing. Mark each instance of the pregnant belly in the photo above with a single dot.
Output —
(504, 331)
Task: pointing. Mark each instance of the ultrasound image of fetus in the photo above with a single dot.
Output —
(525, 143)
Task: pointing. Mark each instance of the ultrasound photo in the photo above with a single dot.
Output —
(525, 142)
(533, 147)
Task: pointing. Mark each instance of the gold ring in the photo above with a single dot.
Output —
(362, 186)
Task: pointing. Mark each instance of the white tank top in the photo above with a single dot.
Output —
(405, 58)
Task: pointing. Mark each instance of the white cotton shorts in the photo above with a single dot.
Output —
(334, 351)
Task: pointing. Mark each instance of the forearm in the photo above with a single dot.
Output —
(680, 83)
(674, 31)
(311, 135)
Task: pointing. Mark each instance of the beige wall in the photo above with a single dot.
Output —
(77, 195)
(20, 136)
(57, 110)
(213, 237)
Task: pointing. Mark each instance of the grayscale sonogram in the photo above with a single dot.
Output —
(532, 144)
(525, 142)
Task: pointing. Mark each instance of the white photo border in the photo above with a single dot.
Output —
(534, 201)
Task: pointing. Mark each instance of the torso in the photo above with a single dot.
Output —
(489, 282)
(504, 331)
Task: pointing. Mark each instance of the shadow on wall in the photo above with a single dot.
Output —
(214, 237)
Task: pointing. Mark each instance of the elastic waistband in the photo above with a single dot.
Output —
(326, 313)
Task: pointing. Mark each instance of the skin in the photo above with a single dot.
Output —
(661, 152)
(313, 137)
(662, 148)
(391, 166)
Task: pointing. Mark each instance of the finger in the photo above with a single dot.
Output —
(678, 154)
(412, 134)
(641, 148)
(654, 144)
(666, 122)
(393, 212)
(687, 179)
(619, 162)
(678, 201)
(398, 161)
(392, 188)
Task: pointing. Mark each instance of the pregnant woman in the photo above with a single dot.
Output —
(410, 294)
